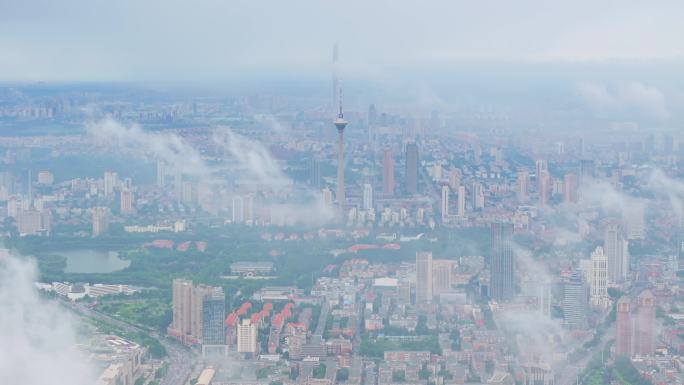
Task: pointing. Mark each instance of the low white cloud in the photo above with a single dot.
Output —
(37, 336)
(625, 99)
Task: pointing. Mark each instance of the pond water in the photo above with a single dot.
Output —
(88, 261)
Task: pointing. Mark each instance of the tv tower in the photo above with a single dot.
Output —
(340, 124)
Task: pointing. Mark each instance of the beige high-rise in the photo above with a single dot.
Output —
(424, 277)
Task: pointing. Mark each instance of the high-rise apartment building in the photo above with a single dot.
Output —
(198, 314)
(599, 279)
(644, 324)
(570, 188)
(388, 173)
(623, 338)
(100, 220)
(411, 168)
(424, 271)
(247, 337)
(502, 264)
(461, 202)
(111, 182)
(444, 207)
(126, 201)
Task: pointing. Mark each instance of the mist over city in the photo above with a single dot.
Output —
(341, 193)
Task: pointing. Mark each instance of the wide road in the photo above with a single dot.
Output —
(179, 360)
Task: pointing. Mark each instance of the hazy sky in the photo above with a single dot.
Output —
(214, 39)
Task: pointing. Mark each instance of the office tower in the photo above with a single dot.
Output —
(445, 203)
(247, 337)
(100, 220)
(388, 173)
(502, 264)
(441, 276)
(545, 298)
(315, 173)
(161, 173)
(461, 202)
(617, 252)
(521, 190)
(623, 338)
(126, 201)
(367, 196)
(454, 178)
(238, 214)
(213, 316)
(478, 196)
(575, 302)
(111, 181)
(586, 172)
(633, 217)
(599, 278)
(340, 124)
(411, 168)
(543, 187)
(29, 184)
(570, 188)
(644, 324)
(423, 277)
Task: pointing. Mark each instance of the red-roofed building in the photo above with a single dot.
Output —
(162, 243)
(183, 246)
(201, 246)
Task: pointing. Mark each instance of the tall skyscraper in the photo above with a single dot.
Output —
(445, 203)
(424, 273)
(181, 324)
(100, 220)
(599, 279)
(502, 263)
(388, 173)
(521, 190)
(570, 188)
(126, 201)
(111, 181)
(623, 338)
(644, 324)
(544, 180)
(411, 168)
(372, 115)
(461, 202)
(617, 252)
(340, 124)
(586, 172)
(367, 196)
(213, 316)
(575, 299)
(478, 196)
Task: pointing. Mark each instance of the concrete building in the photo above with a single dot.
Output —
(388, 173)
(100, 220)
(247, 338)
(575, 298)
(411, 168)
(502, 263)
(598, 280)
(424, 271)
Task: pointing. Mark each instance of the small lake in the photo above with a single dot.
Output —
(86, 261)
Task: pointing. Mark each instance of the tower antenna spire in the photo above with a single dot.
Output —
(341, 115)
